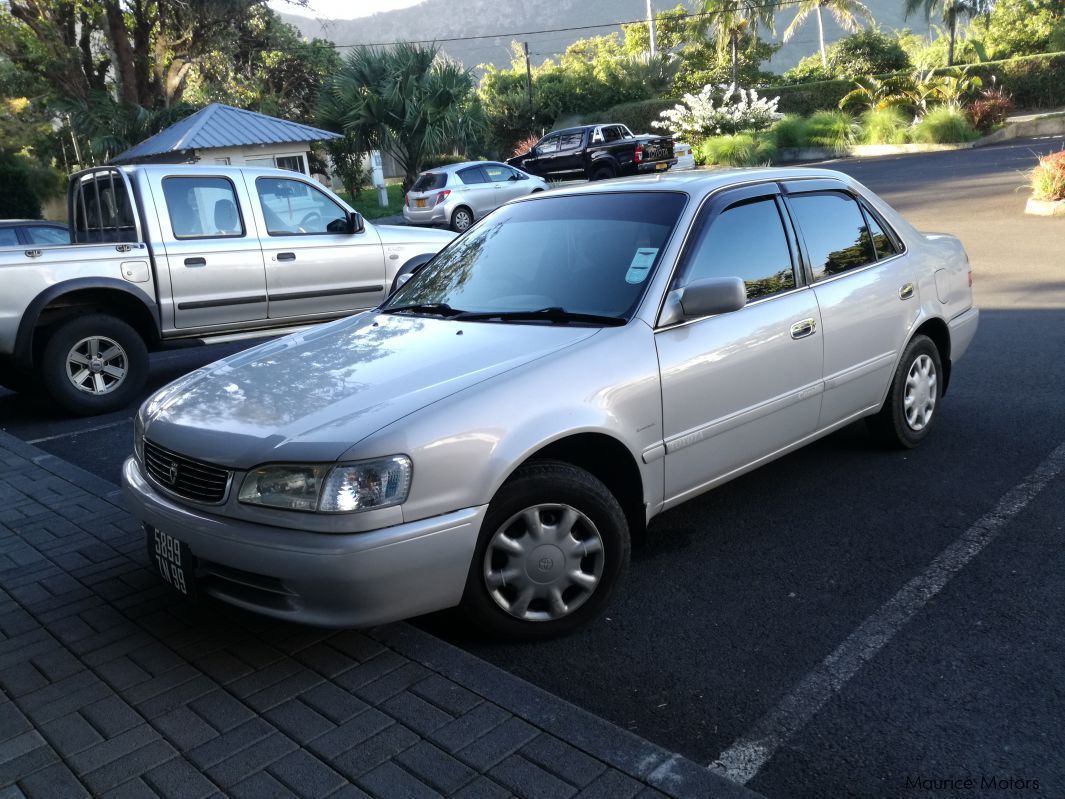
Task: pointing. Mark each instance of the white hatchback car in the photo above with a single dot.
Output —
(458, 195)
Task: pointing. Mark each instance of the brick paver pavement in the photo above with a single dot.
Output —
(113, 686)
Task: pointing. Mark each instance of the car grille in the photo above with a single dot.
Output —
(192, 479)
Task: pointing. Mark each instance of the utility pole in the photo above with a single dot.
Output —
(528, 74)
(651, 27)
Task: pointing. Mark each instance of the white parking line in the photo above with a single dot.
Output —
(748, 754)
(81, 432)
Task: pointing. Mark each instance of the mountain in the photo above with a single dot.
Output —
(436, 20)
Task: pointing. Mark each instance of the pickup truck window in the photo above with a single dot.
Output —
(571, 141)
(547, 145)
(746, 241)
(295, 208)
(102, 209)
(202, 208)
(611, 133)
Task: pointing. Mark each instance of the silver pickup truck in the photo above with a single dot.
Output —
(163, 253)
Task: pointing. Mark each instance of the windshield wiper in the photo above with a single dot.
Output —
(555, 314)
(437, 308)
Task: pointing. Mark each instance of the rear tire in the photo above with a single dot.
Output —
(553, 548)
(603, 173)
(461, 219)
(94, 364)
(912, 403)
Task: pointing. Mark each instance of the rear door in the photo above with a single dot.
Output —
(866, 291)
(570, 159)
(313, 265)
(211, 249)
(738, 387)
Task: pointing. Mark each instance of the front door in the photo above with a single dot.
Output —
(738, 387)
(313, 265)
(866, 291)
(479, 191)
(211, 249)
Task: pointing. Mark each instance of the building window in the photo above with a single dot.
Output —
(293, 163)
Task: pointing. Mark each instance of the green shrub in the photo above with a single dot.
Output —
(806, 98)
(833, 130)
(886, 126)
(944, 125)
(1048, 177)
(740, 149)
(791, 131)
(19, 199)
(636, 116)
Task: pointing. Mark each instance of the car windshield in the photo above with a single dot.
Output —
(587, 254)
(427, 181)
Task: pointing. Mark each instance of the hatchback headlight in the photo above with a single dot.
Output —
(330, 488)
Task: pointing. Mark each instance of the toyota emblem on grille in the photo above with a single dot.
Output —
(172, 473)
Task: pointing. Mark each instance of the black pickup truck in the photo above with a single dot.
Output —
(596, 152)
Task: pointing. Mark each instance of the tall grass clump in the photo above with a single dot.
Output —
(833, 130)
(741, 149)
(1048, 177)
(790, 132)
(944, 125)
(886, 126)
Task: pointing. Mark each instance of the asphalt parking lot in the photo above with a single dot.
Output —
(746, 616)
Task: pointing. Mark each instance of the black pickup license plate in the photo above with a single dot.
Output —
(173, 560)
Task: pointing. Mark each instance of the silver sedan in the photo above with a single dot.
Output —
(581, 361)
(458, 195)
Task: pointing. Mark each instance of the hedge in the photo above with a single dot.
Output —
(637, 116)
(1035, 81)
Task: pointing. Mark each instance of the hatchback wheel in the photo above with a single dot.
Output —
(553, 547)
(911, 404)
(461, 219)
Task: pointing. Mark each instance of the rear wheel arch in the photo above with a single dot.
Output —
(608, 460)
(937, 330)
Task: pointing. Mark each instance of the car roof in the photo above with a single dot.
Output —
(451, 169)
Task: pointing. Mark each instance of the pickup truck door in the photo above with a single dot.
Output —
(738, 387)
(571, 154)
(313, 265)
(541, 159)
(211, 250)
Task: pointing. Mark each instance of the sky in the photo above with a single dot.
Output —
(341, 9)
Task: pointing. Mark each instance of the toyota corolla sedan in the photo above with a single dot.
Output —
(457, 195)
(573, 365)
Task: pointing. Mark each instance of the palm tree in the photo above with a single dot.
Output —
(406, 101)
(733, 20)
(847, 14)
(950, 11)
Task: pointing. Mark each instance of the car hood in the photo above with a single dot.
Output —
(311, 396)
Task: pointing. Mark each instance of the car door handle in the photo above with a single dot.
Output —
(906, 291)
(195, 262)
(802, 329)
(286, 256)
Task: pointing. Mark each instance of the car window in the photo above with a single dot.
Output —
(497, 173)
(8, 237)
(837, 239)
(547, 145)
(202, 208)
(46, 234)
(747, 241)
(611, 133)
(571, 141)
(882, 243)
(430, 181)
(472, 175)
(295, 208)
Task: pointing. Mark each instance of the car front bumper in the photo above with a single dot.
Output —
(329, 580)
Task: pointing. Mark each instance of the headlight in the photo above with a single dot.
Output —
(138, 438)
(329, 488)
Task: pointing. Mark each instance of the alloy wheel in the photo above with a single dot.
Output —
(97, 365)
(919, 395)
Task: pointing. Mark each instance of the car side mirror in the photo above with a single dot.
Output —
(355, 223)
(706, 297)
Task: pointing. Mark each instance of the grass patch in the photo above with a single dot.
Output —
(944, 125)
(833, 130)
(887, 126)
(791, 131)
(741, 149)
(367, 205)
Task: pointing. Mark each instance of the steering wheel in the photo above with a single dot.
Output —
(310, 218)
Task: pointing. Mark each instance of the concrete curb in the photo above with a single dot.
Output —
(620, 749)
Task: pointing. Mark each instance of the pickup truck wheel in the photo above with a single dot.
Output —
(94, 364)
(461, 219)
(603, 173)
(553, 547)
(909, 410)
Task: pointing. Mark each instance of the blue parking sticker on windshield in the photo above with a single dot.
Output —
(641, 265)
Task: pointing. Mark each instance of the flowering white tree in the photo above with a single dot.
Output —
(739, 109)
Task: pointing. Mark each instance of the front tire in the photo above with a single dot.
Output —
(913, 399)
(553, 548)
(94, 364)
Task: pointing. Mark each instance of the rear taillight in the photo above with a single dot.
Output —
(442, 196)
(638, 155)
